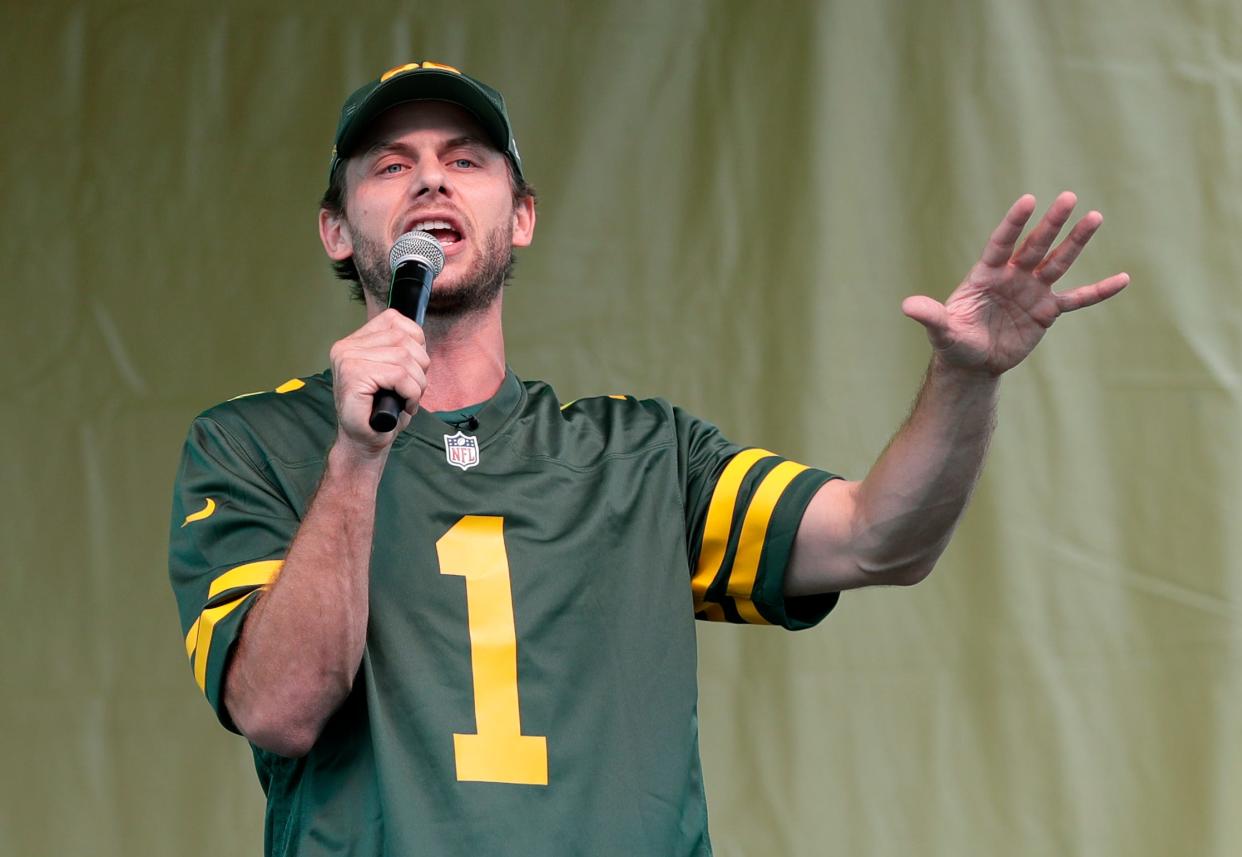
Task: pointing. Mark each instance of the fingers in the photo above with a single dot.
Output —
(414, 350)
(386, 330)
(931, 314)
(399, 355)
(387, 353)
(390, 320)
(364, 378)
(1059, 261)
(1085, 296)
(353, 362)
(1036, 245)
(1000, 246)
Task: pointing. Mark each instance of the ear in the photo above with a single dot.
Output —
(524, 222)
(334, 232)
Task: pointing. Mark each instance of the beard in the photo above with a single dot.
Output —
(476, 292)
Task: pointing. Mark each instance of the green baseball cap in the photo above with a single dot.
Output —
(424, 81)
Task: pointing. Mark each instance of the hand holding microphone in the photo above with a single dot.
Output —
(416, 259)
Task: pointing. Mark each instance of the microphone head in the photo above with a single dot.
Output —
(417, 246)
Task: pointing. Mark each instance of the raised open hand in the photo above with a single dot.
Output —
(1001, 310)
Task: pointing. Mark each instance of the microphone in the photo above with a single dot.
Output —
(416, 259)
(470, 423)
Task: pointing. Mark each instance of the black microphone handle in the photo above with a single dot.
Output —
(408, 294)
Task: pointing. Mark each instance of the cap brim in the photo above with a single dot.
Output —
(425, 85)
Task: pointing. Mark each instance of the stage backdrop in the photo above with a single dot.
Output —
(735, 198)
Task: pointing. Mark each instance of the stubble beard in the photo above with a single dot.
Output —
(475, 293)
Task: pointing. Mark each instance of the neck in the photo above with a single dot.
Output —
(467, 358)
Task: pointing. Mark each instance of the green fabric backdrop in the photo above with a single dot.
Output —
(735, 197)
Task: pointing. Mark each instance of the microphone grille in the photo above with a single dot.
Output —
(417, 246)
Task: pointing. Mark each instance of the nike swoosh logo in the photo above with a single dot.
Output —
(205, 512)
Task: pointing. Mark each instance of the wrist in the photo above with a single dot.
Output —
(963, 389)
(942, 369)
(353, 462)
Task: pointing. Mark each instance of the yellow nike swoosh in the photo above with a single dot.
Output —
(205, 512)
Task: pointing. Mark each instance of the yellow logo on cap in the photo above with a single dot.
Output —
(411, 66)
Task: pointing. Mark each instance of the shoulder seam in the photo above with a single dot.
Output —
(241, 451)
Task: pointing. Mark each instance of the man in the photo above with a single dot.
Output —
(474, 634)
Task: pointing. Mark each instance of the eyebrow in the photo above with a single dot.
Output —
(385, 146)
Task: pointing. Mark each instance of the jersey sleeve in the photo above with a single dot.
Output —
(743, 507)
(230, 529)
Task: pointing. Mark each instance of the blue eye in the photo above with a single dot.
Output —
(393, 168)
(463, 163)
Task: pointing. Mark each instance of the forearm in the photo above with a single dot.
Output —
(893, 526)
(910, 502)
(302, 643)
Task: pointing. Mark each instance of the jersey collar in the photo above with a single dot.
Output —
(492, 417)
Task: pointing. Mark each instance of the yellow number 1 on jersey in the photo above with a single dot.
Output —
(498, 752)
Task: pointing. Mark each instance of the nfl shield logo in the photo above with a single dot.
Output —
(461, 450)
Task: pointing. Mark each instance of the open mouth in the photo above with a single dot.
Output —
(441, 230)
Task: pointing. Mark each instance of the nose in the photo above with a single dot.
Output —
(430, 178)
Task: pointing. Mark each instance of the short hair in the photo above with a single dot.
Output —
(333, 202)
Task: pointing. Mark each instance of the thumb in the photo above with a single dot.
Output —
(930, 313)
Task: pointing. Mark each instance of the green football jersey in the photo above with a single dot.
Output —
(528, 683)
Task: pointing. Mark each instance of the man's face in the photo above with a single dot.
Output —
(427, 165)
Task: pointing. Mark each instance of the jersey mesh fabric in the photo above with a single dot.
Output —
(613, 522)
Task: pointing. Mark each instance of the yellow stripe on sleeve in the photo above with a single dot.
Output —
(741, 583)
(191, 640)
(250, 574)
(207, 622)
(714, 612)
(198, 639)
(719, 519)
